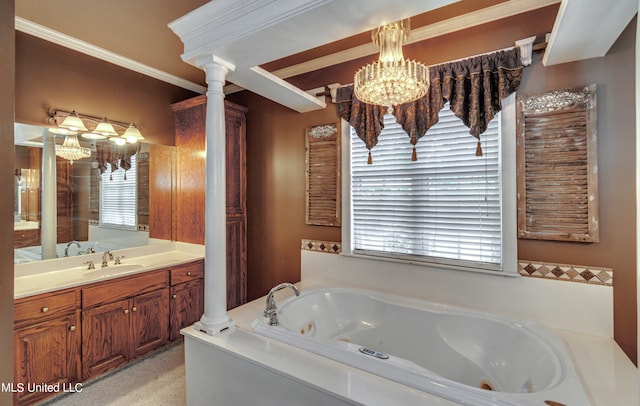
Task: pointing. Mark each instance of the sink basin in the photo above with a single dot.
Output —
(112, 270)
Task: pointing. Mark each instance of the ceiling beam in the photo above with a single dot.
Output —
(587, 29)
(475, 18)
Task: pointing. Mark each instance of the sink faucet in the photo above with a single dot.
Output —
(106, 257)
(270, 309)
(66, 250)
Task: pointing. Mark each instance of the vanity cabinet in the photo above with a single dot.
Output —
(26, 238)
(47, 343)
(123, 319)
(187, 296)
(74, 334)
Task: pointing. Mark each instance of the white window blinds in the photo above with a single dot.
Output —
(118, 197)
(444, 208)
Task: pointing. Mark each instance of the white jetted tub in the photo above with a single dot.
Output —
(468, 357)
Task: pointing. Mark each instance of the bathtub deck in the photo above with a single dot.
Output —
(608, 375)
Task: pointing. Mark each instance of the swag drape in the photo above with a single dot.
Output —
(119, 156)
(474, 88)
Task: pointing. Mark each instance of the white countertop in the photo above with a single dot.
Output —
(607, 374)
(46, 276)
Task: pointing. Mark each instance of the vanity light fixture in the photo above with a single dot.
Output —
(73, 122)
(132, 134)
(105, 129)
(93, 135)
(93, 128)
(62, 131)
(118, 140)
(392, 80)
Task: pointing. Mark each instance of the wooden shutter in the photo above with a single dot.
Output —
(557, 166)
(322, 147)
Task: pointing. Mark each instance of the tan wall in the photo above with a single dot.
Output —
(7, 78)
(275, 160)
(48, 75)
(614, 76)
(276, 192)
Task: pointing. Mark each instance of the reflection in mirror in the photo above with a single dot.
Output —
(97, 209)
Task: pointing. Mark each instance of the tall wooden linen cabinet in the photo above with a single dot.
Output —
(190, 186)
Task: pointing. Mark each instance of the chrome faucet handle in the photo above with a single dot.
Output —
(270, 310)
(117, 260)
(106, 257)
(91, 265)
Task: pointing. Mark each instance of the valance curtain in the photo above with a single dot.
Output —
(474, 88)
(119, 156)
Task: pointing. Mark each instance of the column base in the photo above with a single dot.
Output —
(213, 327)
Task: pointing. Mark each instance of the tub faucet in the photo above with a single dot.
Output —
(270, 309)
(66, 250)
(106, 257)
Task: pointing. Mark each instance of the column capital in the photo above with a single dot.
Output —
(207, 62)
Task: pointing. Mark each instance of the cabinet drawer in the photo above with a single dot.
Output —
(122, 288)
(187, 272)
(45, 306)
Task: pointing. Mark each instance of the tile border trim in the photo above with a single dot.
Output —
(321, 246)
(592, 275)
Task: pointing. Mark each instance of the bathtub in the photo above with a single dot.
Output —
(464, 356)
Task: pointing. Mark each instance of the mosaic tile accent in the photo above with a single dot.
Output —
(322, 246)
(570, 273)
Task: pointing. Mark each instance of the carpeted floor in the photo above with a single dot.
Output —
(156, 380)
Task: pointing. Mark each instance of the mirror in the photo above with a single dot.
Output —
(96, 211)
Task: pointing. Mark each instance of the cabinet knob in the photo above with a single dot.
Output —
(126, 311)
(188, 273)
(72, 328)
(134, 309)
(44, 309)
(174, 296)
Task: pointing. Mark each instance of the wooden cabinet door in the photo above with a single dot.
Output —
(187, 305)
(190, 186)
(105, 337)
(149, 321)
(47, 352)
(236, 190)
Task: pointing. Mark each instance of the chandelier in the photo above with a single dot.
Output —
(392, 80)
(71, 149)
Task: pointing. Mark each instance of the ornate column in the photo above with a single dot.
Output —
(215, 317)
(48, 217)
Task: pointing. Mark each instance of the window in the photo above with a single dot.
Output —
(446, 208)
(118, 197)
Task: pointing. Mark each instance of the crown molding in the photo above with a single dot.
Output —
(47, 34)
